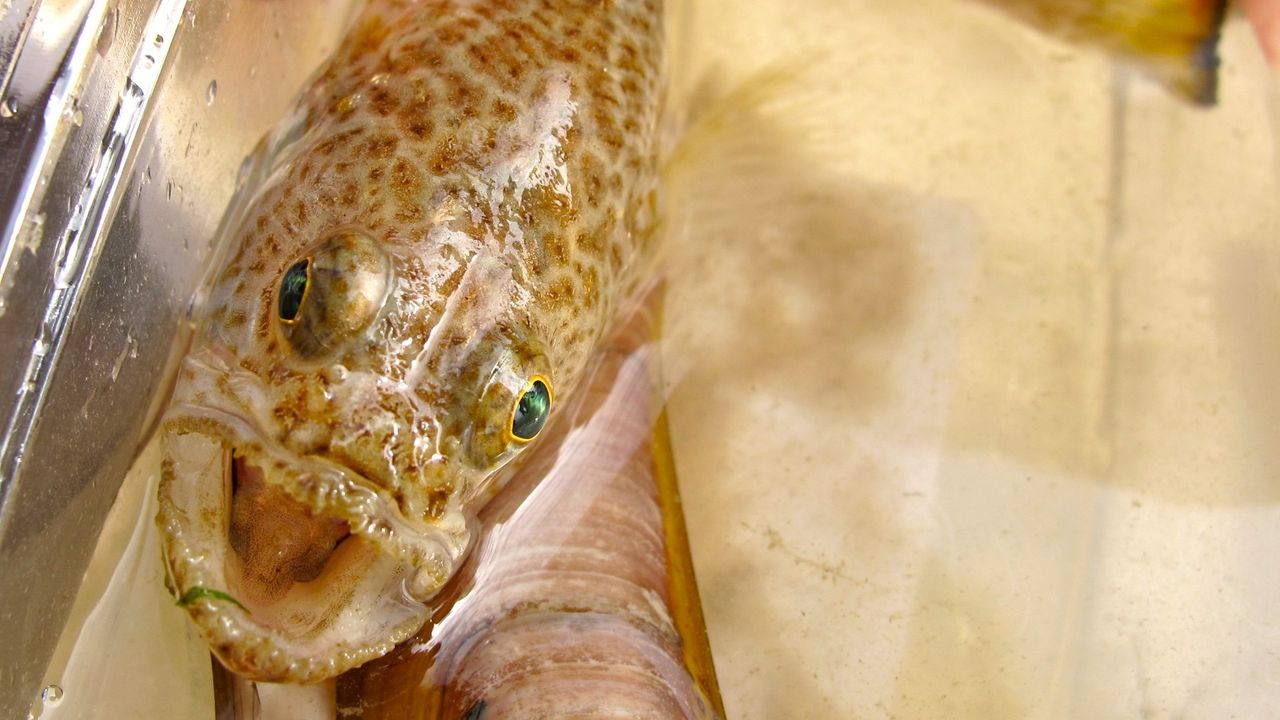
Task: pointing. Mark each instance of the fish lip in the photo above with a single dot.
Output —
(407, 562)
(365, 503)
(220, 396)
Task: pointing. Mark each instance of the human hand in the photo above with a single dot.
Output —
(1264, 15)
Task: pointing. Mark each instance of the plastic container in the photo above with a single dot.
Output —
(968, 339)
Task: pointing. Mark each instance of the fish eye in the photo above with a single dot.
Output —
(293, 290)
(531, 409)
(333, 294)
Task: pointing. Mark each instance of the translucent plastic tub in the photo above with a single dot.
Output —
(971, 357)
(980, 394)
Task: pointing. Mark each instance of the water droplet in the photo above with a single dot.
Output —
(168, 190)
(107, 35)
(211, 93)
(159, 40)
(52, 696)
(9, 108)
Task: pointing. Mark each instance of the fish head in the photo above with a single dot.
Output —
(352, 395)
(405, 364)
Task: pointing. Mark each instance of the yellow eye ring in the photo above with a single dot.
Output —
(530, 411)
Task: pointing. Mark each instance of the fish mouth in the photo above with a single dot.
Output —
(293, 569)
(278, 540)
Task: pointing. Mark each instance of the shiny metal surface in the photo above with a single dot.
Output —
(121, 129)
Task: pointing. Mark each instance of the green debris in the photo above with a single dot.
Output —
(200, 593)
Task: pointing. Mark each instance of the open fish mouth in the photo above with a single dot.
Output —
(294, 569)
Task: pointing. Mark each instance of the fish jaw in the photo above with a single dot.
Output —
(294, 568)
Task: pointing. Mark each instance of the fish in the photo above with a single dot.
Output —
(1174, 41)
(447, 227)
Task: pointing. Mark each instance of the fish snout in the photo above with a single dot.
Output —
(395, 444)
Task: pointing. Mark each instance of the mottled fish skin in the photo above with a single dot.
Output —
(474, 185)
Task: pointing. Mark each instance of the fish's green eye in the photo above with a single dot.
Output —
(293, 290)
(531, 410)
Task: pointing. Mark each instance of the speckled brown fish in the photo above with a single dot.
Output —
(463, 203)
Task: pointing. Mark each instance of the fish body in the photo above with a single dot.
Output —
(467, 199)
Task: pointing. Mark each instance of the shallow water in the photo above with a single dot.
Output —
(971, 380)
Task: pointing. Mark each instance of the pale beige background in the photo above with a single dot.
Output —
(974, 351)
